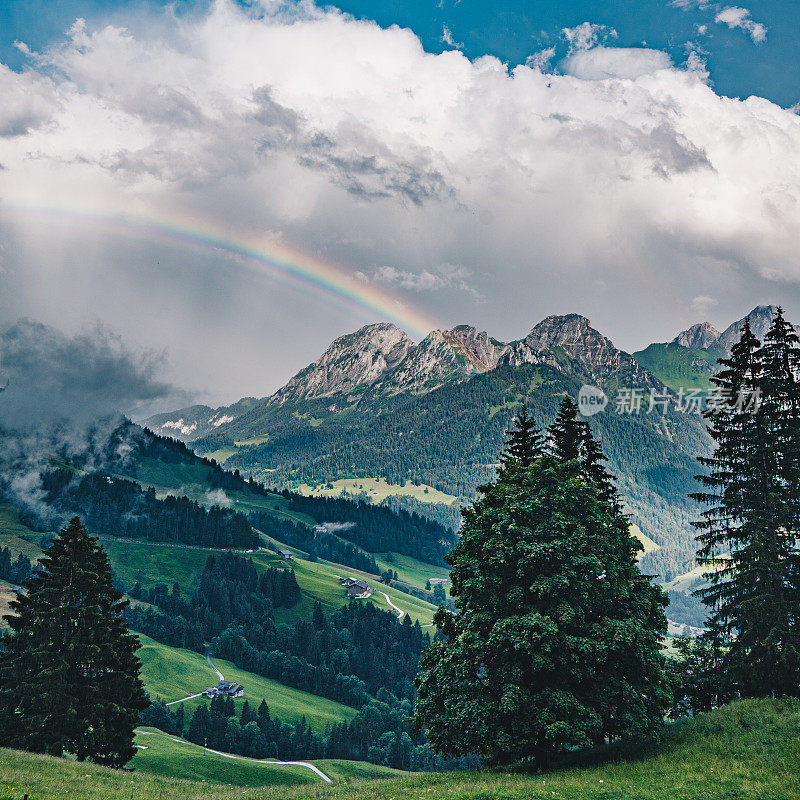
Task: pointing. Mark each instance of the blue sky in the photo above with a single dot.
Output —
(512, 30)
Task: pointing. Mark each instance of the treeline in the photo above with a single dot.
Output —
(447, 514)
(348, 656)
(14, 570)
(379, 529)
(118, 507)
(230, 589)
(318, 544)
(377, 734)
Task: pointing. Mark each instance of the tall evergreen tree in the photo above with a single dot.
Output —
(594, 462)
(556, 643)
(566, 434)
(570, 439)
(525, 444)
(69, 675)
(748, 534)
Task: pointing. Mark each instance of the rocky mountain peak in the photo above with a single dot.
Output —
(355, 359)
(570, 344)
(760, 318)
(699, 337)
(568, 331)
(480, 348)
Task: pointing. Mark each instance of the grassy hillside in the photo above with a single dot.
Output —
(747, 751)
(679, 367)
(171, 674)
(15, 536)
(169, 757)
(377, 489)
(319, 580)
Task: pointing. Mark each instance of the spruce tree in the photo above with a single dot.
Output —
(748, 533)
(69, 675)
(566, 434)
(526, 443)
(556, 642)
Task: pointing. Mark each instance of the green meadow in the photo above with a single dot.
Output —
(170, 673)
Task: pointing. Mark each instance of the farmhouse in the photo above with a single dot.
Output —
(434, 581)
(358, 590)
(286, 553)
(226, 689)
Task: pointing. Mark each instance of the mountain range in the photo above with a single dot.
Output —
(377, 405)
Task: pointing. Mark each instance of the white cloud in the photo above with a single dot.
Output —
(600, 63)
(587, 35)
(736, 17)
(353, 141)
(447, 38)
(542, 59)
(703, 304)
(442, 277)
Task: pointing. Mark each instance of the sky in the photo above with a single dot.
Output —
(226, 187)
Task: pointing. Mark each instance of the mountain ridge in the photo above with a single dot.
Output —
(381, 361)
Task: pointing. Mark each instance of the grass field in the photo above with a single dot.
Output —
(378, 489)
(746, 751)
(15, 536)
(171, 673)
(648, 544)
(319, 581)
(413, 572)
(167, 757)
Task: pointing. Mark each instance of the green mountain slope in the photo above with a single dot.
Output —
(679, 367)
(450, 439)
(170, 674)
(748, 751)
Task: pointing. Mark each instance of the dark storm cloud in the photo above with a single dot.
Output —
(47, 376)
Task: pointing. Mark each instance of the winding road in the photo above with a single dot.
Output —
(306, 764)
(400, 612)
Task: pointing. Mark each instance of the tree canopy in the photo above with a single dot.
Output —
(556, 642)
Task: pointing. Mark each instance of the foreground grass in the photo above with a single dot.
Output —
(747, 751)
(171, 674)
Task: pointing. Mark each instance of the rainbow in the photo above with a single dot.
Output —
(258, 255)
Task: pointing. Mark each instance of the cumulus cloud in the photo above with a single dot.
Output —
(736, 17)
(600, 63)
(443, 277)
(587, 35)
(332, 134)
(48, 377)
(703, 304)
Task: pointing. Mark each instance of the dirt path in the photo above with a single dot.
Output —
(305, 764)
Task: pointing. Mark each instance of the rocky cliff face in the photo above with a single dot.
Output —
(380, 360)
(760, 319)
(701, 336)
(570, 344)
(354, 360)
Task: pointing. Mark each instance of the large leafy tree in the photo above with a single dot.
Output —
(748, 533)
(69, 675)
(556, 643)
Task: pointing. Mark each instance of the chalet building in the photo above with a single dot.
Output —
(434, 581)
(225, 689)
(286, 553)
(358, 589)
